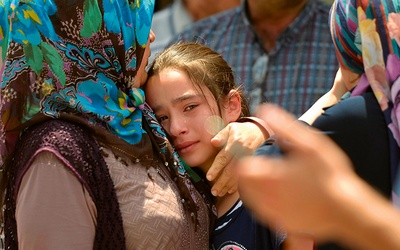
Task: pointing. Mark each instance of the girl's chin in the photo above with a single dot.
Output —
(197, 165)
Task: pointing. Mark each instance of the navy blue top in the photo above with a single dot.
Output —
(238, 229)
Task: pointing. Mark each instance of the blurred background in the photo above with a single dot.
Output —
(160, 4)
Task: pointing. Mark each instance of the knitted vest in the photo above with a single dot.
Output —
(74, 146)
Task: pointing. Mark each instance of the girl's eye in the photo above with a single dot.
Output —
(161, 118)
(190, 107)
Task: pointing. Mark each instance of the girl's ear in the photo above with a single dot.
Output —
(232, 107)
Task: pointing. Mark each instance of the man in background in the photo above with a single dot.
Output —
(281, 50)
(179, 15)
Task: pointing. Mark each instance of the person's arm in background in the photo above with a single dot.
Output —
(312, 188)
(344, 82)
(236, 140)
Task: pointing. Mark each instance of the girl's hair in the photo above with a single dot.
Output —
(204, 66)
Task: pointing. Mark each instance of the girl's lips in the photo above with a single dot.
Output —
(185, 147)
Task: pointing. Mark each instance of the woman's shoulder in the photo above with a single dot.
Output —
(69, 142)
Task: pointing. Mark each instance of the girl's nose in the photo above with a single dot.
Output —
(177, 127)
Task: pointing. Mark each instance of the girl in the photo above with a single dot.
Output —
(193, 94)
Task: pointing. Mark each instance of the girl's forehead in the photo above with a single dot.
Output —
(176, 81)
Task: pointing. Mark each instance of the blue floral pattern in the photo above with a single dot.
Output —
(84, 65)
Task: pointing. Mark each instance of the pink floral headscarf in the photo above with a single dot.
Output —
(366, 34)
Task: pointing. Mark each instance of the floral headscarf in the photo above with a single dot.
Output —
(84, 64)
(367, 38)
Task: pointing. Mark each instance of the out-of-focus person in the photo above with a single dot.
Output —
(312, 189)
(179, 15)
(366, 124)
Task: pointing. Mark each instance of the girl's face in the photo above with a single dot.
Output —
(188, 115)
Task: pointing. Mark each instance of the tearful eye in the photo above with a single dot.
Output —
(161, 118)
(190, 107)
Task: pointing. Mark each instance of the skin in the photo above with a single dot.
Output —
(222, 172)
(200, 9)
(187, 115)
(344, 81)
(271, 17)
(331, 202)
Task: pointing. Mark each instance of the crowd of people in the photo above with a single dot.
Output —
(111, 141)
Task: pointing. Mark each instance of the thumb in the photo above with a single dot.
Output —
(221, 138)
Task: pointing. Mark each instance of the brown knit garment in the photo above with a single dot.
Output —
(84, 158)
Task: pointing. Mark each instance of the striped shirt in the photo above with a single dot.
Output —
(299, 70)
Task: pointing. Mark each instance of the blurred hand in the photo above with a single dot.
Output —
(297, 190)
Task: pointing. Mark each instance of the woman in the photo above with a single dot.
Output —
(365, 125)
(86, 163)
